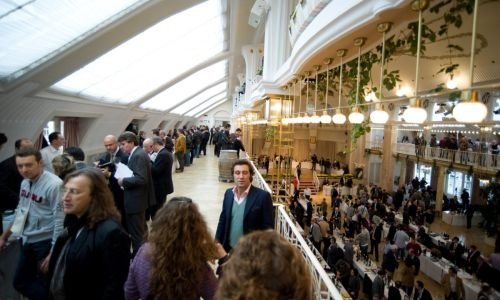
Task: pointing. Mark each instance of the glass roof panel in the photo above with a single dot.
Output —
(200, 98)
(205, 104)
(210, 108)
(152, 58)
(196, 103)
(188, 87)
(32, 32)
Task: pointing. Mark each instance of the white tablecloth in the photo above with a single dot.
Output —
(436, 269)
(460, 219)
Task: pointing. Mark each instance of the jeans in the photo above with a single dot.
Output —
(29, 280)
(197, 150)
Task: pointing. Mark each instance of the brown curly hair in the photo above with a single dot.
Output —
(102, 205)
(181, 245)
(265, 266)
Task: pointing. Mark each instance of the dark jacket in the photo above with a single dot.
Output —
(139, 192)
(258, 214)
(97, 261)
(112, 181)
(10, 184)
(161, 172)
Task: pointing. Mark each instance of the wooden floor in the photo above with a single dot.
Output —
(200, 183)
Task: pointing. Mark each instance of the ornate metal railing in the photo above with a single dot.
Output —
(322, 283)
(468, 158)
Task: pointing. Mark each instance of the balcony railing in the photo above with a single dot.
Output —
(322, 284)
(304, 13)
(468, 158)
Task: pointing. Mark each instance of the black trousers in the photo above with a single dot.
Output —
(136, 225)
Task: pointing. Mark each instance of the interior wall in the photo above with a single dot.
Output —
(24, 115)
(215, 116)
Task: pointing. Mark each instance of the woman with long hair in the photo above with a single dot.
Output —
(91, 257)
(265, 266)
(173, 263)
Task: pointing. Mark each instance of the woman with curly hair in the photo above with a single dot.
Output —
(173, 264)
(265, 266)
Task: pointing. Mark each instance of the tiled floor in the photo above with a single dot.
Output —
(200, 183)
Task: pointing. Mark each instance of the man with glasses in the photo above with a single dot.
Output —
(245, 208)
(40, 204)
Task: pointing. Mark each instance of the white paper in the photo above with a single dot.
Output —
(123, 171)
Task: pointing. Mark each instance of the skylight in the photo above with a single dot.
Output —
(187, 87)
(205, 104)
(210, 108)
(32, 32)
(192, 105)
(151, 59)
(201, 98)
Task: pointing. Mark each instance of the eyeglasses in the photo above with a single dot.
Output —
(72, 192)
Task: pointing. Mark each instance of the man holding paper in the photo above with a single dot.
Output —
(138, 192)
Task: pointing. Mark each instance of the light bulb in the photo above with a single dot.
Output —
(415, 115)
(326, 118)
(306, 119)
(379, 116)
(338, 117)
(451, 83)
(371, 97)
(315, 119)
(400, 92)
(472, 111)
(355, 117)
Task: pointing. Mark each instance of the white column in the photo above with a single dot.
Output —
(253, 55)
(276, 44)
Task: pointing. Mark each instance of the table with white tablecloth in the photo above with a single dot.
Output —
(435, 269)
(456, 219)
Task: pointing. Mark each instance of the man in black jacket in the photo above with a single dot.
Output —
(161, 171)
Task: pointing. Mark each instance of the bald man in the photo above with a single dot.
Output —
(113, 155)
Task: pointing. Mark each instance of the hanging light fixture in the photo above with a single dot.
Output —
(472, 111)
(451, 84)
(326, 118)
(356, 117)
(315, 119)
(339, 117)
(379, 115)
(415, 113)
(293, 118)
(306, 119)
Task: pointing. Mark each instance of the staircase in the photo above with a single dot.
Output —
(308, 183)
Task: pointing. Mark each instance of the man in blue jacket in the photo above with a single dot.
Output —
(245, 208)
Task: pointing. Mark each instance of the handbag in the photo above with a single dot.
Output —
(17, 227)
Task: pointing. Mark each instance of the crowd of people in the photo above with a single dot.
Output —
(458, 147)
(84, 231)
(365, 219)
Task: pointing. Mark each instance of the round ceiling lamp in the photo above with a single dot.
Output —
(339, 118)
(379, 115)
(356, 117)
(315, 119)
(415, 113)
(472, 111)
(326, 118)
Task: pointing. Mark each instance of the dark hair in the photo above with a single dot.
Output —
(238, 129)
(102, 205)
(157, 140)
(227, 125)
(128, 136)
(420, 284)
(3, 138)
(453, 270)
(63, 165)
(29, 152)
(18, 143)
(76, 152)
(54, 136)
(156, 131)
(241, 162)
